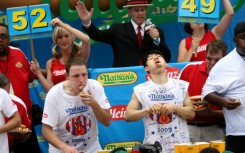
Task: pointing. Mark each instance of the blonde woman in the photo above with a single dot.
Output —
(64, 48)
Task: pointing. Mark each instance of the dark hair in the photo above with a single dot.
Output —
(75, 61)
(209, 150)
(215, 46)
(144, 60)
(3, 25)
(187, 28)
(3, 80)
(240, 28)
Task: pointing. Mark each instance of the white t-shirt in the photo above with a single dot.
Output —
(7, 109)
(227, 78)
(168, 129)
(72, 121)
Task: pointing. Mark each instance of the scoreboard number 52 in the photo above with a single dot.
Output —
(29, 22)
(19, 16)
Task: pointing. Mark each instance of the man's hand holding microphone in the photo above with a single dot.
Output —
(151, 29)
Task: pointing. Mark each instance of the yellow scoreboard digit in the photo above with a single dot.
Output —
(198, 11)
(40, 17)
(18, 22)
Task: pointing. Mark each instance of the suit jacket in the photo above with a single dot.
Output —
(123, 39)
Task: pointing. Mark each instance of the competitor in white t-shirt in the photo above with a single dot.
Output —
(7, 109)
(72, 109)
(165, 105)
(225, 87)
(15, 138)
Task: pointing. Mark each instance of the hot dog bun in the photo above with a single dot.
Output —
(197, 103)
(199, 107)
(21, 129)
(195, 98)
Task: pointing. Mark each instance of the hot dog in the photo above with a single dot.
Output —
(22, 128)
(199, 107)
(195, 99)
(197, 103)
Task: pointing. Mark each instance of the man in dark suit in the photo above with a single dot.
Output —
(123, 37)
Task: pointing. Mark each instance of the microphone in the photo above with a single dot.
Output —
(147, 148)
(148, 26)
(158, 146)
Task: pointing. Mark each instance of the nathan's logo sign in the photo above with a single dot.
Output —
(126, 145)
(117, 78)
(40, 138)
(42, 95)
(33, 84)
(118, 112)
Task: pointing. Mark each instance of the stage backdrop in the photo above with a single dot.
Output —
(118, 84)
(163, 14)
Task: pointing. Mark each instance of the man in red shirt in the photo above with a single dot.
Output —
(14, 64)
(206, 124)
